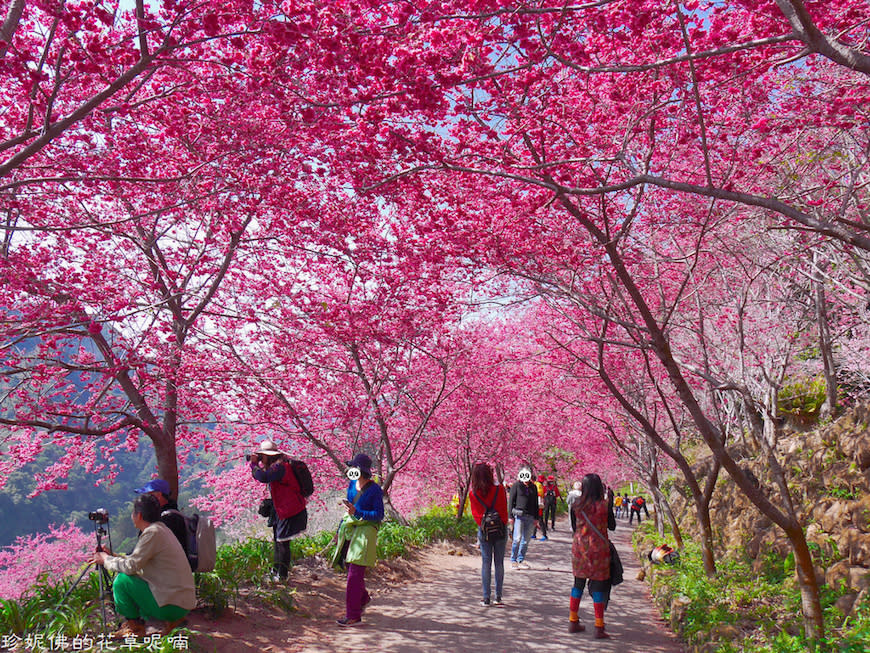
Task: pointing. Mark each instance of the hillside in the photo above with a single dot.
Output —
(828, 472)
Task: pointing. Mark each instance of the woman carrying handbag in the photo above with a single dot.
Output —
(590, 553)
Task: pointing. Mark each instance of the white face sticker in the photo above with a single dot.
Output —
(353, 473)
(524, 476)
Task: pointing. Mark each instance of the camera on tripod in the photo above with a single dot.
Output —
(100, 516)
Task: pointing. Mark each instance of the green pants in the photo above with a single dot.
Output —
(134, 600)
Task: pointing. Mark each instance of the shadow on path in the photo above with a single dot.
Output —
(443, 612)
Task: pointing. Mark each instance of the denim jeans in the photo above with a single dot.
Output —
(524, 526)
(491, 552)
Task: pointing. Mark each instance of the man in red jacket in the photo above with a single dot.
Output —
(270, 465)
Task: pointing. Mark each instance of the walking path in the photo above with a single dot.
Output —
(443, 613)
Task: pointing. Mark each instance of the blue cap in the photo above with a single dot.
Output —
(156, 485)
(362, 461)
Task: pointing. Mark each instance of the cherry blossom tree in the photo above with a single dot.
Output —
(589, 117)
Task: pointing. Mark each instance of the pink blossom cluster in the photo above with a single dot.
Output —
(45, 557)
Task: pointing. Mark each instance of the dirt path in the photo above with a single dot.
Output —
(439, 610)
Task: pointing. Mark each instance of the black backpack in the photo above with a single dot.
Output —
(303, 477)
(201, 545)
(491, 525)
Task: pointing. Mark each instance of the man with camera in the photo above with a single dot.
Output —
(169, 514)
(270, 465)
(153, 582)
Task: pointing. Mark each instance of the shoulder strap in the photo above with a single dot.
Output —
(480, 501)
(494, 499)
(597, 532)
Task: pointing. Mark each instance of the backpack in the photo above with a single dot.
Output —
(201, 541)
(550, 495)
(491, 525)
(303, 477)
(639, 501)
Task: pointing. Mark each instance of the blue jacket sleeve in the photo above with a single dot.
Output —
(369, 504)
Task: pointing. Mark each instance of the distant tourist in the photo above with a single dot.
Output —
(637, 505)
(539, 484)
(485, 498)
(523, 512)
(590, 554)
(551, 495)
(573, 495)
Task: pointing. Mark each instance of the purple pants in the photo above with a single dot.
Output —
(356, 596)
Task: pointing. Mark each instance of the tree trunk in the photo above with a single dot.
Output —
(665, 512)
(463, 498)
(167, 461)
(825, 344)
(806, 577)
(660, 345)
(391, 512)
(811, 604)
(700, 499)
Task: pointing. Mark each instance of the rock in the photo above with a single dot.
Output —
(857, 448)
(844, 603)
(836, 516)
(679, 604)
(641, 574)
(854, 577)
(861, 513)
(859, 578)
(854, 545)
(820, 575)
(837, 573)
(727, 633)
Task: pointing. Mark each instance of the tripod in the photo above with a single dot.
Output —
(103, 577)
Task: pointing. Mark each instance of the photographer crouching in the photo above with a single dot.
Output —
(270, 465)
(153, 582)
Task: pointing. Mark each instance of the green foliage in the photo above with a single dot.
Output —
(48, 609)
(213, 593)
(803, 398)
(843, 492)
(305, 547)
(243, 562)
(395, 539)
(764, 606)
(279, 596)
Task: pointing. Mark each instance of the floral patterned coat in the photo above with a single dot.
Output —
(590, 555)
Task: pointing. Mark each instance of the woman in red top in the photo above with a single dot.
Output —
(486, 494)
(590, 553)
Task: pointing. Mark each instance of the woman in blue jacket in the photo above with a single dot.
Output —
(365, 511)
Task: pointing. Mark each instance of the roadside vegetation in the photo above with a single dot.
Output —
(740, 610)
(45, 612)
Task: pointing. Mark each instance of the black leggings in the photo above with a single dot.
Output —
(550, 513)
(282, 559)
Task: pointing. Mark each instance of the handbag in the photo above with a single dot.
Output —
(616, 570)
